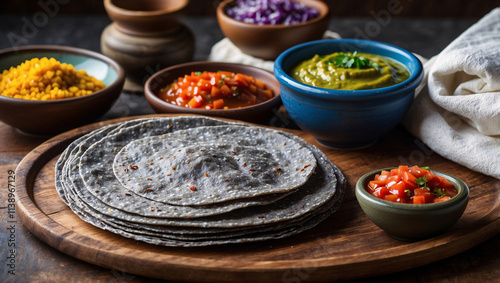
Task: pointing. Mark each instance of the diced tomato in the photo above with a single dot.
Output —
(196, 101)
(382, 177)
(225, 90)
(432, 180)
(381, 192)
(394, 178)
(418, 199)
(441, 199)
(394, 172)
(252, 88)
(184, 95)
(226, 74)
(191, 78)
(402, 200)
(425, 193)
(401, 185)
(215, 92)
(393, 198)
(403, 168)
(260, 84)
(205, 85)
(409, 179)
(218, 104)
(205, 76)
(375, 184)
(444, 183)
(241, 79)
(417, 171)
(398, 189)
(236, 90)
(451, 192)
(196, 91)
(250, 80)
(231, 82)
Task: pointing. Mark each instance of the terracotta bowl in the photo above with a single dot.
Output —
(268, 41)
(255, 113)
(147, 17)
(50, 117)
(413, 222)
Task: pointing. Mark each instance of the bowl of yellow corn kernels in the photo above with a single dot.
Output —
(45, 90)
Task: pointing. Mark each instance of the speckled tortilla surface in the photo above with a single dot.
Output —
(308, 187)
(207, 165)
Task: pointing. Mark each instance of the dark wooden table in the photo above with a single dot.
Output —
(34, 261)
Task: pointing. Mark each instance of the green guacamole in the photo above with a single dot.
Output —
(322, 71)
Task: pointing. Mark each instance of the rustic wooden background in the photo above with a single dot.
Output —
(339, 8)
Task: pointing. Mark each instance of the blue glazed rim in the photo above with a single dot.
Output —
(292, 56)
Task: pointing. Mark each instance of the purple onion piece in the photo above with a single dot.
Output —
(276, 12)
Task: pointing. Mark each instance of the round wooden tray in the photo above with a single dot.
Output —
(345, 246)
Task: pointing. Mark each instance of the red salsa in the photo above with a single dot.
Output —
(216, 90)
(417, 185)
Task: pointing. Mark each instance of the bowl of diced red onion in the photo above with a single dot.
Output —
(265, 28)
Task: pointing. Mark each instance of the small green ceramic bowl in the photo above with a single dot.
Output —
(50, 117)
(412, 222)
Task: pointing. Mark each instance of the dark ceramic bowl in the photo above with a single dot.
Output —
(413, 222)
(253, 113)
(268, 41)
(54, 116)
(346, 118)
(146, 17)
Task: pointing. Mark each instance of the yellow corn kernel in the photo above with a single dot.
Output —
(45, 79)
(49, 74)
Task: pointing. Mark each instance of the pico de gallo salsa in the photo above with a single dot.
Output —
(216, 90)
(413, 185)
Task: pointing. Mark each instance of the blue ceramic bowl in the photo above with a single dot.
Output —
(346, 118)
(54, 116)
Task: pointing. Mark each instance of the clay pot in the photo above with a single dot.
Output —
(253, 113)
(146, 17)
(268, 41)
(143, 56)
(146, 36)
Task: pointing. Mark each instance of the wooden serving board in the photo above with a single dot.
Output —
(345, 246)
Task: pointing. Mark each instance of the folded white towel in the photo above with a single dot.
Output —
(458, 114)
(226, 51)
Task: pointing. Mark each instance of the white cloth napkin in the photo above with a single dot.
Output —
(458, 114)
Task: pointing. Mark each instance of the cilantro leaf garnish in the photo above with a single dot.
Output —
(439, 192)
(352, 60)
(421, 182)
(408, 192)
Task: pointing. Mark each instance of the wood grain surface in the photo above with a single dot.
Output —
(345, 246)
